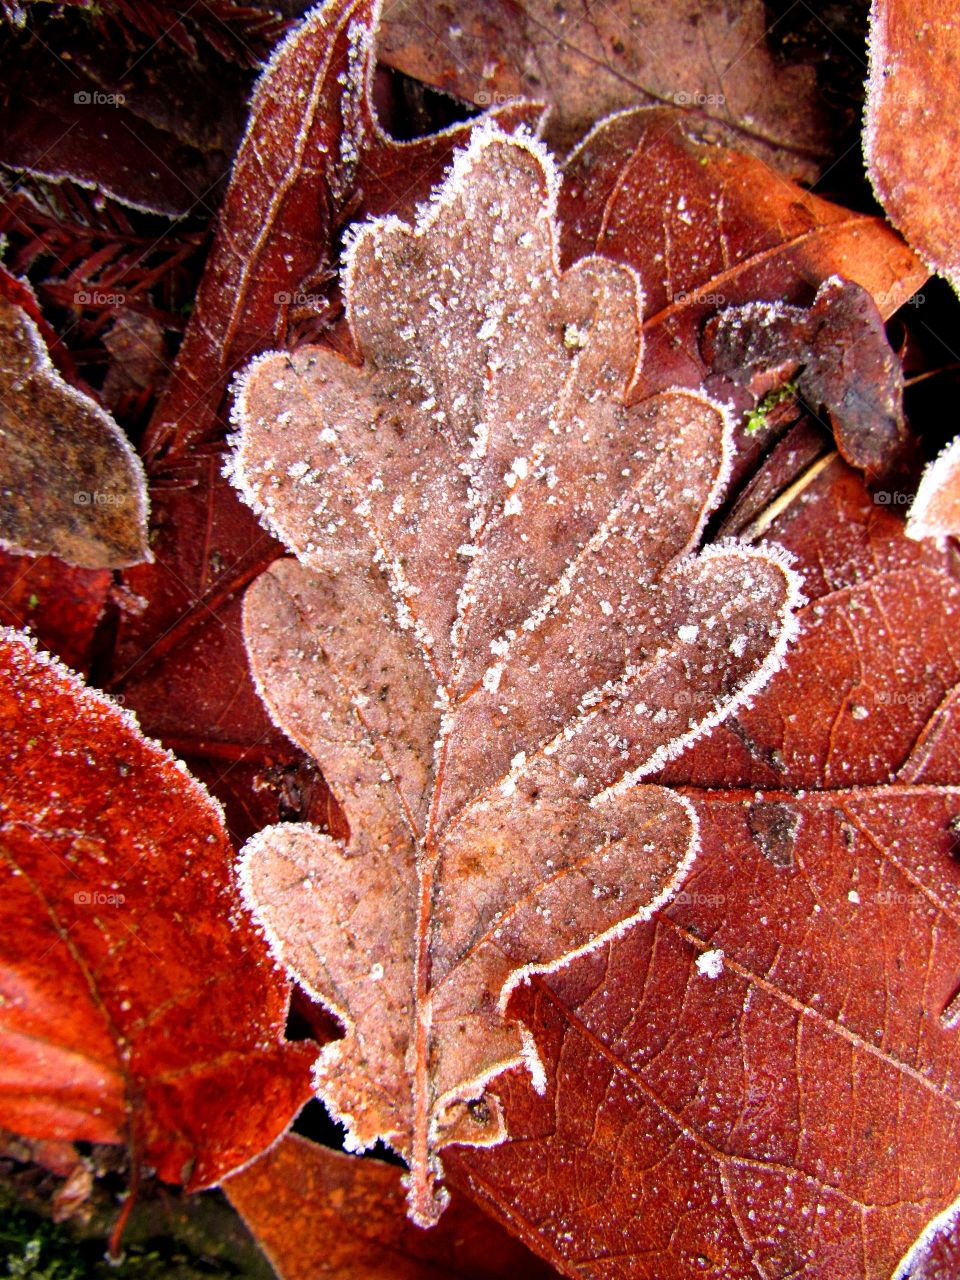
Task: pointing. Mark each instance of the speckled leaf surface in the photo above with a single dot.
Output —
(493, 628)
(136, 1003)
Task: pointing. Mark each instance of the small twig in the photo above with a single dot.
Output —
(930, 373)
(789, 495)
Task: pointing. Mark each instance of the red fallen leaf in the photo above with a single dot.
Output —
(935, 512)
(313, 149)
(314, 1211)
(136, 1003)
(843, 363)
(910, 148)
(179, 660)
(175, 659)
(70, 483)
(60, 604)
(495, 626)
(591, 62)
(765, 1078)
(707, 227)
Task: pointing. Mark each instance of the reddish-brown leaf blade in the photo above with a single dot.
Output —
(707, 227)
(137, 1004)
(935, 1255)
(103, 126)
(591, 63)
(61, 605)
(315, 1211)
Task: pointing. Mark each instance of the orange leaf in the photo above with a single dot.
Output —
(135, 1003)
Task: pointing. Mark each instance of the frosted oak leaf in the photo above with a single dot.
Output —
(494, 626)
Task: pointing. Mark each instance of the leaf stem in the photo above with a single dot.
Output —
(422, 1198)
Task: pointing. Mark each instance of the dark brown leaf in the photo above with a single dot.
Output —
(836, 351)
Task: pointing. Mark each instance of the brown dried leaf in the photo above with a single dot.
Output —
(589, 61)
(910, 145)
(936, 509)
(494, 628)
(70, 484)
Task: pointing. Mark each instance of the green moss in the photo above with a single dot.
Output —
(33, 1248)
(757, 417)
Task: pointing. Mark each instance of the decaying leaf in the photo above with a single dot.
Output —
(70, 484)
(935, 512)
(838, 352)
(136, 1004)
(909, 136)
(493, 629)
